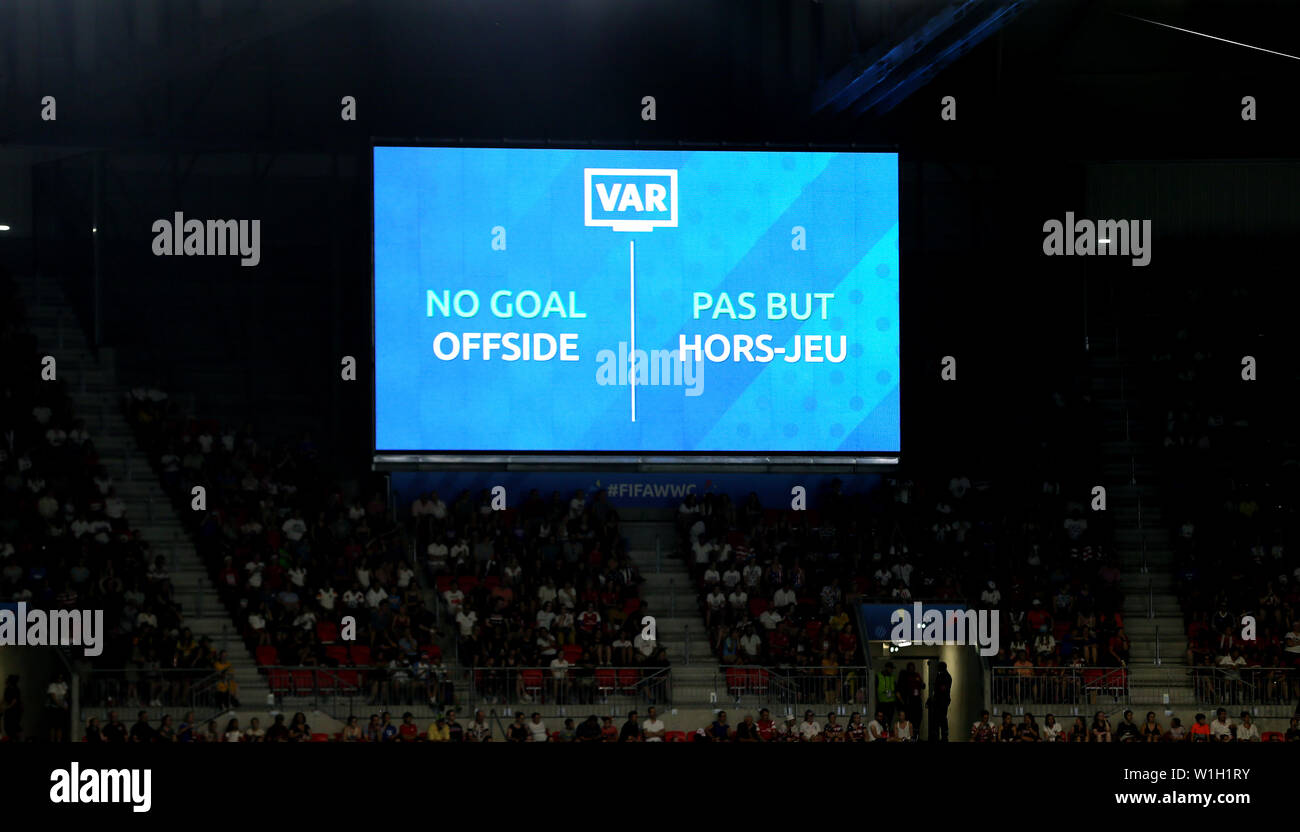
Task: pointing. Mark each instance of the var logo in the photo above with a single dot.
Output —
(630, 199)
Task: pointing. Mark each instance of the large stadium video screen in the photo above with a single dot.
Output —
(635, 302)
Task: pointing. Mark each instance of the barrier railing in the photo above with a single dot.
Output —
(155, 690)
(1060, 685)
(346, 690)
(1228, 687)
(790, 687)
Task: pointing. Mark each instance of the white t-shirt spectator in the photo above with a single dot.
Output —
(466, 619)
(731, 578)
(739, 600)
(537, 730)
(1218, 729)
(559, 667)
(375, 596)
(454, 598)
(1247, 733)
(545, 618)
(354, 598)
(808, 730)
(298, 576)
(326, 598)
(750, 644)
(784, 598)
(294, 528)
(58, 691)
(653, 726)
(770, 619)
(716, 600)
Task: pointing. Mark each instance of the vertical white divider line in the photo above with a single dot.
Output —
(631, 263)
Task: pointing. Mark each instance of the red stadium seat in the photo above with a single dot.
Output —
(467, 582)
(349, 681)
(444, 582)
(532, 682)
(278, 680)
(572, 652)
(326, 681)
(758, 678)
(628, 680)
(606, 681)
(267, 655)
(338, 653)
(320, 737)
(631, 605)
(433, 650)
(303, 681)
(1273, 736)
(757, 606)
(327, 632)
(674, 736)
(491, 582)
(737, 679)
(360, 655)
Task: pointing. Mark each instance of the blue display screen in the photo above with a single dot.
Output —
(635, 301)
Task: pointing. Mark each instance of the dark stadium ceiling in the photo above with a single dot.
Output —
(215, 74)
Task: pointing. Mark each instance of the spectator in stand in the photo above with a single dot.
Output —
(480, 730)
(1222, 729)
(142, 731)
(1151, 731)
(631, 731)
(719, 730)
(1247, 731)
(408, 731)
(1100, 731)
(232, 732)
(983, 730)
(1128, 730)
(653, 728)
(878, 728)
(1200, 730)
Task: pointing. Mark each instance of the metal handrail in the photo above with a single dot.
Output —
(789, 687)
(1075, 686)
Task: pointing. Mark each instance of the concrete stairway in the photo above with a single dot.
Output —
(1152, 616)
(673, 602)
(91, 382)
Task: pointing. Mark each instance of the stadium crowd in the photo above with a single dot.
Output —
(544, 598)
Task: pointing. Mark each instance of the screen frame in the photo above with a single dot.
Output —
(417, 460)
